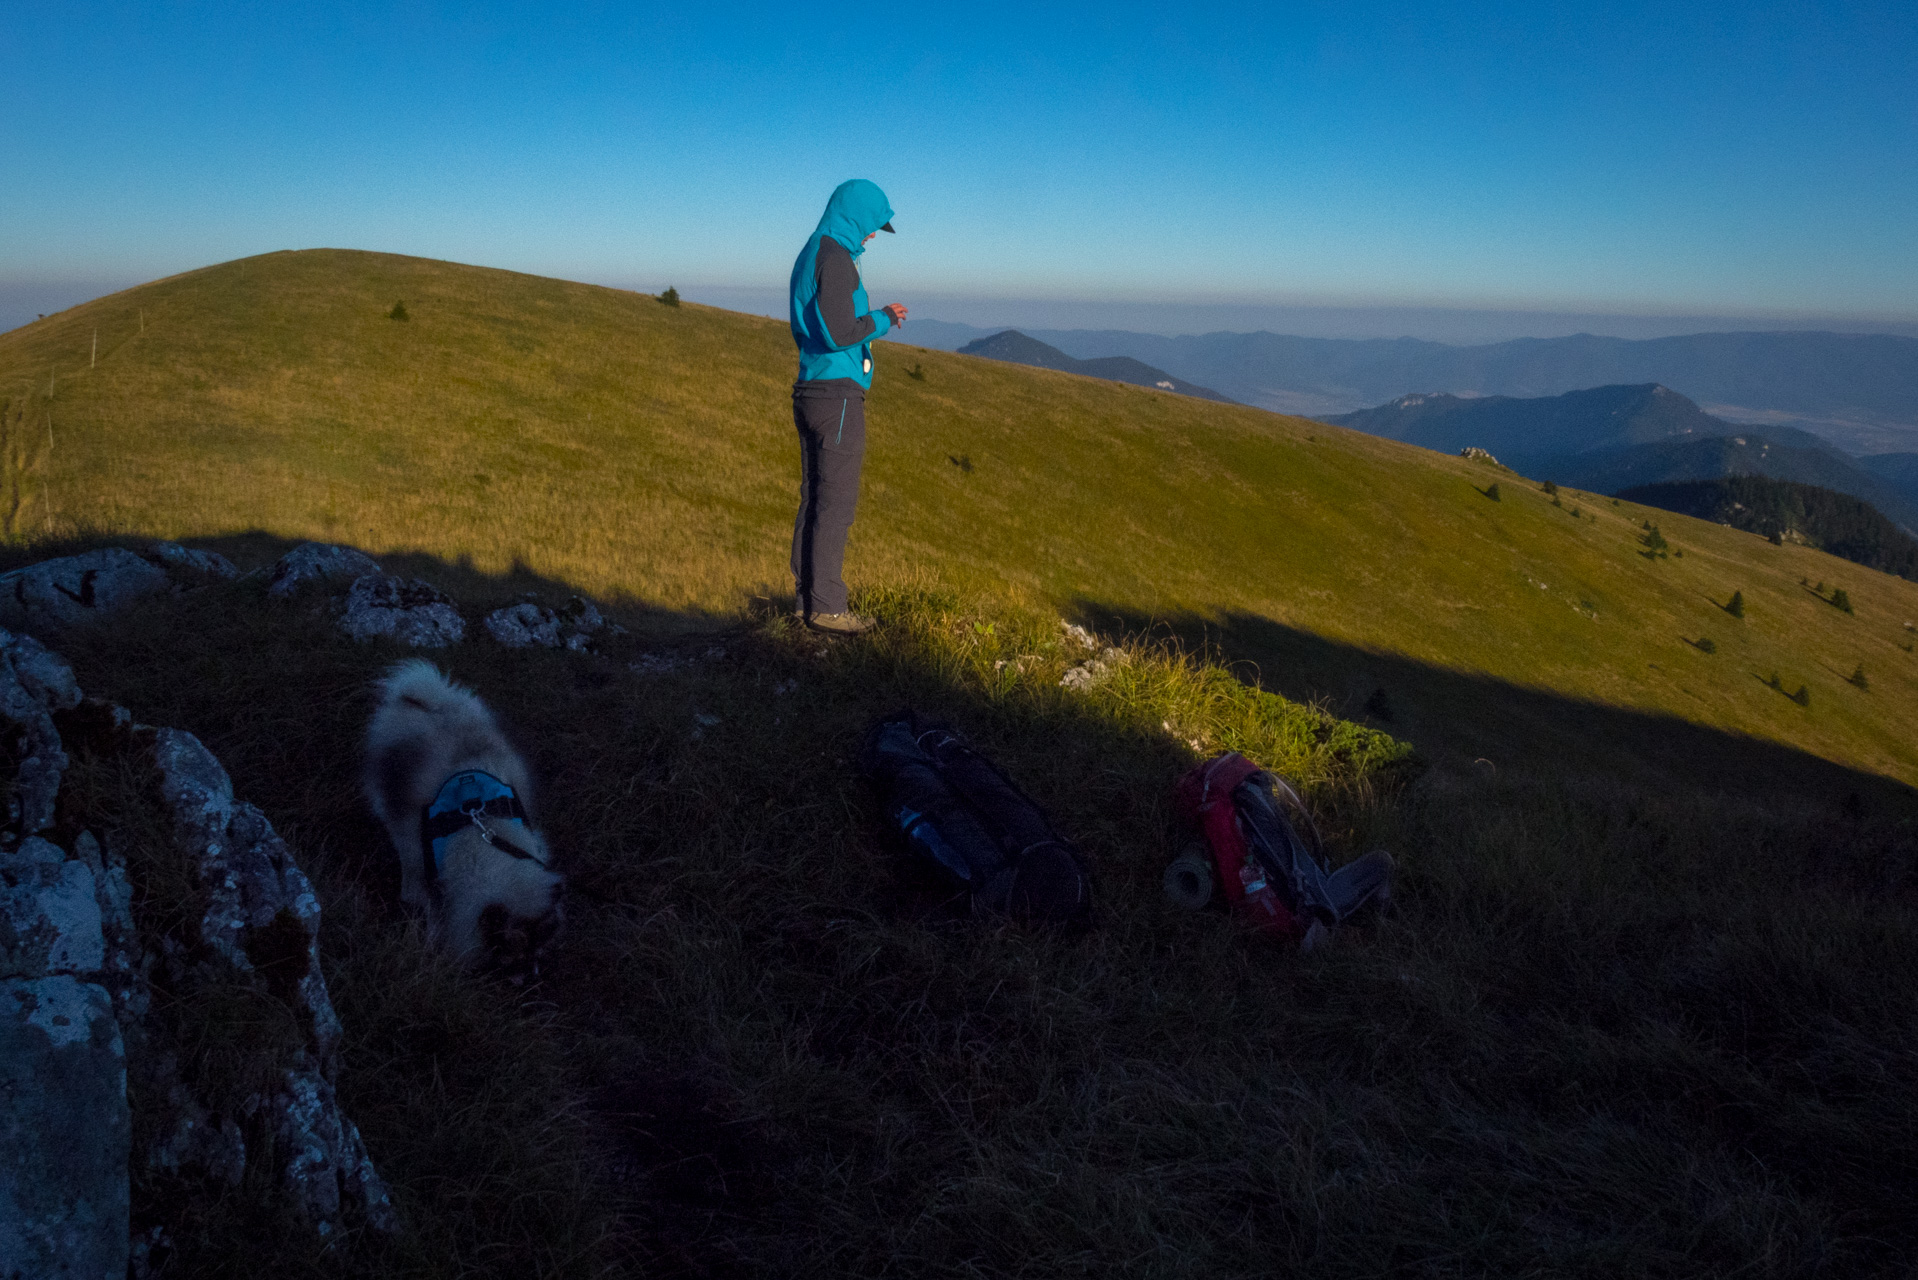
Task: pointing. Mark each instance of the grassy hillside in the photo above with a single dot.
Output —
(645, 454)
(1649, 1005)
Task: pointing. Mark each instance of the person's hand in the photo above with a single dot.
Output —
(897, 310)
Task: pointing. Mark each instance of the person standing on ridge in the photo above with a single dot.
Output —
(834, 334)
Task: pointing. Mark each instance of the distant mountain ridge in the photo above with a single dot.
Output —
(1584, 421)
(1857, 390)
(1605, 439)
(1833, 522)
(1014, 347)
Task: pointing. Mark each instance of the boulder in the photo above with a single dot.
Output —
(34, 683)
(404, 610)
(49, 913)
(64, 1130)
(77, 590)
(190, 566)
(527, 623)
(259, 924)
(76, 1019)
(318, 563)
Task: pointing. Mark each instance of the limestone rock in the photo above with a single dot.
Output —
(49, 913)
(260, 920)
(64, 1130)
(527, 623)
(318, 563)
(405, 610)
(76, 590)
(188, 565)
(261, 912)
(42, 672)
(34, 683)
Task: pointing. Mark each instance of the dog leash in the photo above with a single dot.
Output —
(471, 798)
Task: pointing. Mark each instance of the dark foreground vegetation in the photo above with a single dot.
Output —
(1836, 522)
(1616, 1028)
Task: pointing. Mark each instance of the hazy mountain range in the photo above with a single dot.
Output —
(1606, 439)
(1016, 348)
(1859, 391)
(1787, 511)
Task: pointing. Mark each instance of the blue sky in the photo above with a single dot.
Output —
(1736, 158)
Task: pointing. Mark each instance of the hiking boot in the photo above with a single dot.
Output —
(839, 624)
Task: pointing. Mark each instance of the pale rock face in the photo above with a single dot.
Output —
(262, 911)
(34, 683)
(189, 565)
(74, 1004)
(49, 913)
(65, 1133)
(317, 562)
(404, 610)
(519, 626)
(77, 590)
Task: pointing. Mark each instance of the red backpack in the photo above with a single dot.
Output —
(1273, 879)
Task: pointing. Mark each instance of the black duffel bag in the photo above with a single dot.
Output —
(962, 818)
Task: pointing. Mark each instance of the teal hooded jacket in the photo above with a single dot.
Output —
(856, 210)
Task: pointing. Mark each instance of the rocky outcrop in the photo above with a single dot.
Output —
(258, 924)
(528, 623)
(404, 610)
(377, 604)
(64, 1131)
(34, 684)
(231, 912)
(184, 564)
(317, 564)
(65, 1128)
(76, 590)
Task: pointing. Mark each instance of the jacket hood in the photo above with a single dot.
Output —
(857, 209)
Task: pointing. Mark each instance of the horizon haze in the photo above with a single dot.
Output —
(1367, 170)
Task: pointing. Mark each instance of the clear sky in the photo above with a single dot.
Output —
(1730, 158)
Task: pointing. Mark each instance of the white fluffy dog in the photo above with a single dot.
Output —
(456, 800)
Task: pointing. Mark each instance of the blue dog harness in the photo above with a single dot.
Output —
(468, 799)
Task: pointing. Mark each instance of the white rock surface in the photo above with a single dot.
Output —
(405, 610)
(64, 1131)
(34, 683)
(188, 565)
(77, 590)
(519, 626)
(318, 563)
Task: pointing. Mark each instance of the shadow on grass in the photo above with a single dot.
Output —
(1446, 713)
(1625, 972)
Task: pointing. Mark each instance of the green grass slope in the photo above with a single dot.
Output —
(644, 454)
(1649, 1005)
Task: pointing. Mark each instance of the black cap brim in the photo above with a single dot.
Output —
(888, 227)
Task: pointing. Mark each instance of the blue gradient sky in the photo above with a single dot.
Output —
(1734, 158)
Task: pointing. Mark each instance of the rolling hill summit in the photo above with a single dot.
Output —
(1643, 998)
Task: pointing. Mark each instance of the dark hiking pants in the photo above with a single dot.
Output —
(832, 445)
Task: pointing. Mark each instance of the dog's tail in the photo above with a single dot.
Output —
(416, 685)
